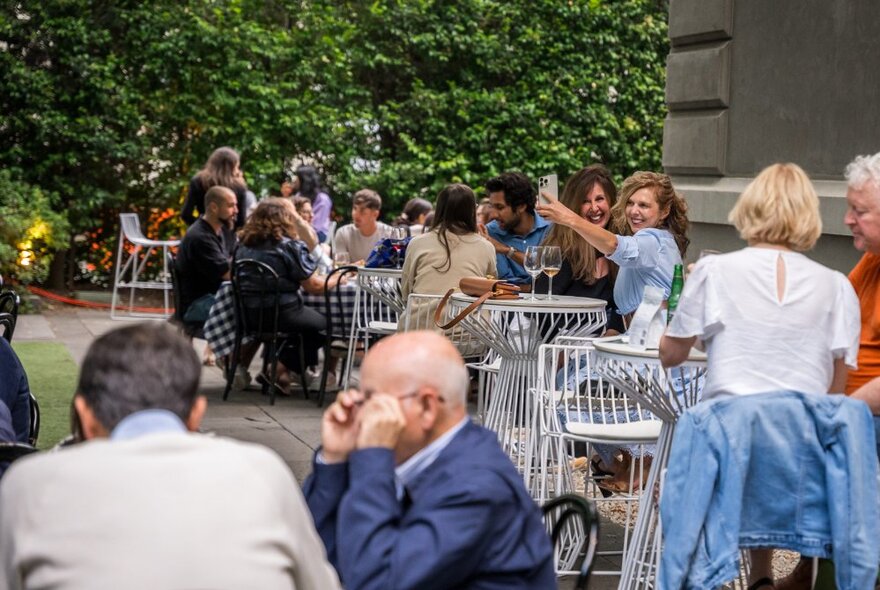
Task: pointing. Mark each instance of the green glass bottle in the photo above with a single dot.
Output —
(675, 292)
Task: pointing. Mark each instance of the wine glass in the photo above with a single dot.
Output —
(551, 260)
(398, 235)
(533, 264)
(341, 259)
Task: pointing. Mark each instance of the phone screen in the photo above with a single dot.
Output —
(548, 184)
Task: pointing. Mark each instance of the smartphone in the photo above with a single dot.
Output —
(548, 184)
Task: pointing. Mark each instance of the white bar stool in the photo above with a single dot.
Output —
(130, 266)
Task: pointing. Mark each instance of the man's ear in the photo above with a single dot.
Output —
(430, 411)
(91, 426)
(194, 420)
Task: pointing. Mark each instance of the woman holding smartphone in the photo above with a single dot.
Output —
(585, 272)
(654, 223)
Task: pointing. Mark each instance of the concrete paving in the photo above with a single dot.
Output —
(291, 427)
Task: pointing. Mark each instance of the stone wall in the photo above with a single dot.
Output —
(753, 82)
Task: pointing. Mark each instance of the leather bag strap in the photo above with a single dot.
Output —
(438, 313)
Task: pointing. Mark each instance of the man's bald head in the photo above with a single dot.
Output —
(418, 359)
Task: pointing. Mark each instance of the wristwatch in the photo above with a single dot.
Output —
(510, 252)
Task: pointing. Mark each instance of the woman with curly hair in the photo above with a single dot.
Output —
(277, 235)
(585, 272)
(221, 169)
(653, 221)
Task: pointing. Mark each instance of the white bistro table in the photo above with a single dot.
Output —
(666, 393)
(515, 329)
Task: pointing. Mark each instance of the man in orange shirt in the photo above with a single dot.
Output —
(863, 219)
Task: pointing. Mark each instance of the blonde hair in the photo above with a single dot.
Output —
(780, 206)
(676, 220)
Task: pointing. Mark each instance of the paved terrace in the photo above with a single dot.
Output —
(291, 427)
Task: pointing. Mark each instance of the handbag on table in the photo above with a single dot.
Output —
(481, 288)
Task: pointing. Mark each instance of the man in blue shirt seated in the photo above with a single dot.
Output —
(515, 224)
(408, 493)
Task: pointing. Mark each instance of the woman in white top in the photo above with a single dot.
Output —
(430, 266)
(770, 318)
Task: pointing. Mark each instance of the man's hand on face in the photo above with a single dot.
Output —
(381, 422)
(339, 427)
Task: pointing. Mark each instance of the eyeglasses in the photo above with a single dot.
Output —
(366, 395)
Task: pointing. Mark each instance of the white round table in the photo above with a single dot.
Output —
(515, 329)
(666, 393)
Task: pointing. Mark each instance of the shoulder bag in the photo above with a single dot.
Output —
(479, 287)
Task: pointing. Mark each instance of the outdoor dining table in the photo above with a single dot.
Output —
(219, 329)
(515, 329)
(666, 393)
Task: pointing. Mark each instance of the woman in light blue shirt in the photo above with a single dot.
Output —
(653, 221)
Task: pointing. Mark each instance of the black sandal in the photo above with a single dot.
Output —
(762, 582)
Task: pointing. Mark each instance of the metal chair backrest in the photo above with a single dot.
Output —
(254, 280)
(568, 384)
(9, 302)
(419, 315)
(34, 429)
(131, 227)
(7, 326)
(10, 451)
(171, 261)
(571, 515)
(384, 285)
(338, 322)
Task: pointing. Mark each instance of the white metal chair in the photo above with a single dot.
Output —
(131, 264)
(376, 312)
(419, 315)
(576, 411)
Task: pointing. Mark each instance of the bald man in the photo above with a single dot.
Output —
(408, 493)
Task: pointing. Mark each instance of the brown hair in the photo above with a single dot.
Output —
(272, 220)
(368, 198)
(578, 252)
(668, 199)
(220, 170)
(456, 213)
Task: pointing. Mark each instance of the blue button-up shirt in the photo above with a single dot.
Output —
(147, 422)
(508, 270)
(647, 258)
(412, 467)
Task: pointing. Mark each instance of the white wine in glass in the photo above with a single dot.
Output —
(551, 260)
(533, 264)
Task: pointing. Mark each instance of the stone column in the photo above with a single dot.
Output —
(753, 82)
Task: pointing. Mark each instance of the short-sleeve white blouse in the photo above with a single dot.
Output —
(756, 343)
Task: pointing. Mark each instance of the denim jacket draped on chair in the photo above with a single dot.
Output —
(783, 469)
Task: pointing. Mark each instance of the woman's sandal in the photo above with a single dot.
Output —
(758, 584)
(280, 389)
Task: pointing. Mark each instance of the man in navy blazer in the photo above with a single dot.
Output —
(408, 493)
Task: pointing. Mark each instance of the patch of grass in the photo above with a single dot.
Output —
(52, 375)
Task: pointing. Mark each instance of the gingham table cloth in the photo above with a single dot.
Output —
(220, 328)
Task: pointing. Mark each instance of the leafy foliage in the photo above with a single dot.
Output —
(114, 104)
(29, 229)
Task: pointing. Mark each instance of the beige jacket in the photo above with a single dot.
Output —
(167, 510)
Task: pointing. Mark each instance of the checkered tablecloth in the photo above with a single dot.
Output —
(220, 327)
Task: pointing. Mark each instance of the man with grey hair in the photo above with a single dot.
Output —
(145, 501)
(863, 219)
(408, 493)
